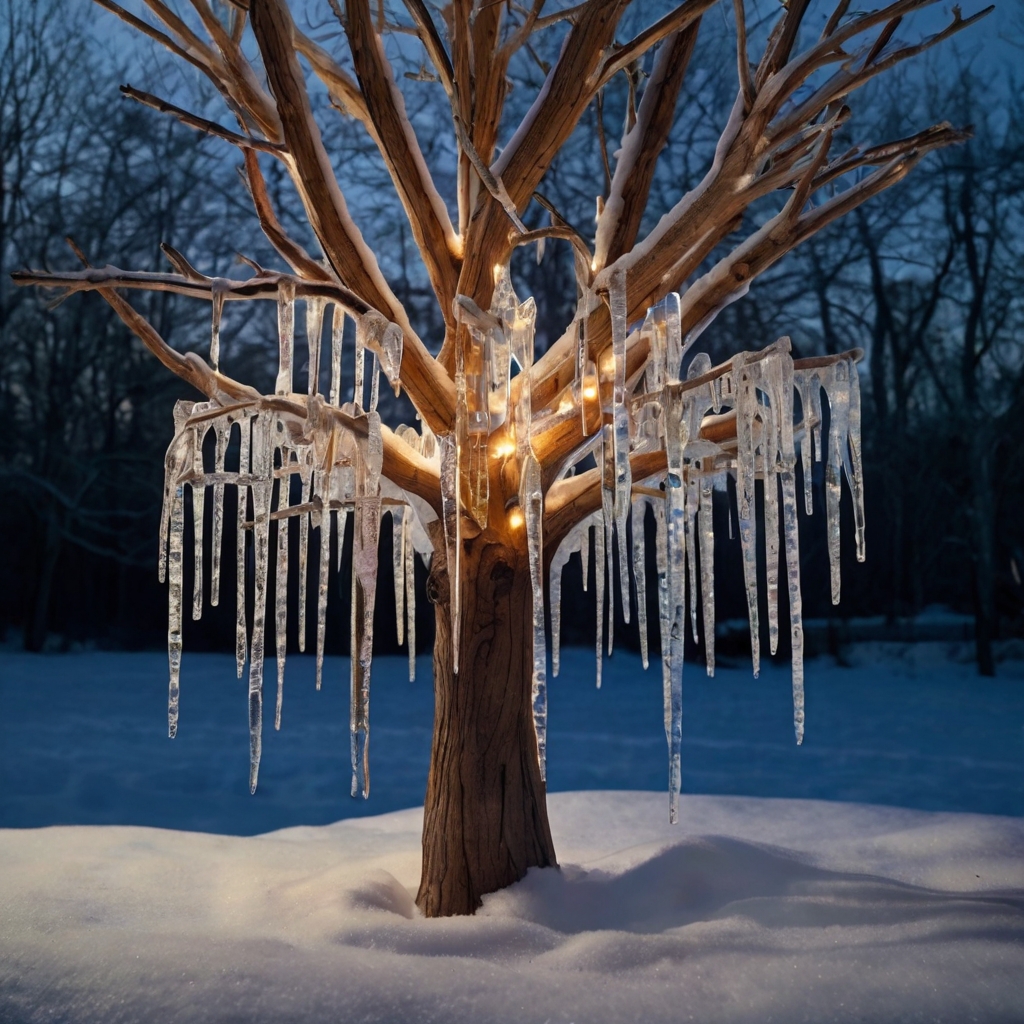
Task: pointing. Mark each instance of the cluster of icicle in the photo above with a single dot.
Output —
(659, 411)
(338, 472)
(291, 461)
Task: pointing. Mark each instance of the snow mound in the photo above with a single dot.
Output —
(750, 910)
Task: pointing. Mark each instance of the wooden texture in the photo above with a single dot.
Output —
(485, 818)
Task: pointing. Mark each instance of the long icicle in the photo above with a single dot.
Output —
(322, 591)
(398, 568)
(707, 569)
(620, 430)
(198, 508)
(174, 573)
(531, 499)
(262, 445)
(281, 580)
(746, 411)
(337, 337)
(640, 574)
(241, 638)
(306, 483)
(222, 434)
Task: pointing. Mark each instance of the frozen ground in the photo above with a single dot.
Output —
(752, 909)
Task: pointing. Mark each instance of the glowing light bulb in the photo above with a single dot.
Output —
(590, 391)
(515, 517)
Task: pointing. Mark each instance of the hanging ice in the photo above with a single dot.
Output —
(285, 335)
(531, 499)
(620, 424)
(337, 337)
(391, 355)
(314, 333)
(281, 580)
(218, 289)
(262, 469)
(241, 638)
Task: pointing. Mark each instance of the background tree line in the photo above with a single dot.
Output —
(927, 279)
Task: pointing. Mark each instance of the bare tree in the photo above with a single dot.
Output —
(498, 504)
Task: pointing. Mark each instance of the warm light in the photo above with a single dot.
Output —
(590, 391)
(515, 517)
(503, 449)
(498, 268)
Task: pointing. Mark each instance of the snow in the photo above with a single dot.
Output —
(755, 907)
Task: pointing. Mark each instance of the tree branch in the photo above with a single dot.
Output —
(425, 209)
(623, 211)
(244, 142)
(426, 383)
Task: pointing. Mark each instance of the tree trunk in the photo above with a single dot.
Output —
(485, 817)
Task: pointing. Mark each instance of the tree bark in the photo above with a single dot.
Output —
(485, 817)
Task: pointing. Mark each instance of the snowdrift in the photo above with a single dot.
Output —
(749, 910)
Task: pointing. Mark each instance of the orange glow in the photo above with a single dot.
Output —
(515, 517)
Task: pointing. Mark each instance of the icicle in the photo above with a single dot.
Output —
(409, 564)
(673, 338)
(640, 573)
(179, 452)
(241, 640)
(707, 569)
(692, 503)
(375, 383)
(314, 333)
(746, 411)
(805, 385)
(787, 476)
(531, 499)
(322, 589)
(262, 458)
(174, 567)
(836, 382)
(499, 341)
(599, 579)
(365, 539)
(570, 544)
(771, 510)
(522, 351)
(608, 524)
(218, 289)
(473, 420)
(391, 355)
(340, 528)
(620, 434)
(452, 540)
(306, 480)
(337, 337)
(222, 434)
(198, 508)
(670, 652)
(281, 581)
(286, 335)
(398, 567)
(856, 470)
(360, 364)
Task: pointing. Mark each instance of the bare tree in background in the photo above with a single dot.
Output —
(488, 487)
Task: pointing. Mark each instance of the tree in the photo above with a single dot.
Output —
(501, 500)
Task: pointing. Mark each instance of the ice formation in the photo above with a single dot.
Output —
(299, 456)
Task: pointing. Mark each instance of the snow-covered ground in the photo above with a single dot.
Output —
(756, 907)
